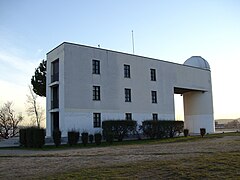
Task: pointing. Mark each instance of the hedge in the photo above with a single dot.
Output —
(117, 129)
(160, 129)
(57, 137)
(84, 137)
(90, 137)
(73, 137)
(98, 138)
(32, 137)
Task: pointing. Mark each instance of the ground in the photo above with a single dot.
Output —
(209, 158)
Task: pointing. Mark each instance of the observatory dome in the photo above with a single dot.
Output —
(197, 61)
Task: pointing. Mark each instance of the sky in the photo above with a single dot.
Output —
(170, 30)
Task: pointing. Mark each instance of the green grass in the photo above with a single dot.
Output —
(205, 166)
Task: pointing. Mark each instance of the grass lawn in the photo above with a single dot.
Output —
(215, 156)
(207, 166)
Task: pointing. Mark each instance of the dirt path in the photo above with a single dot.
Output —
(26, 164)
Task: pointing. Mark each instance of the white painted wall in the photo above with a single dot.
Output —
(76, 81)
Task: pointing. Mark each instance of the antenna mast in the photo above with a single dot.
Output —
(132, 42)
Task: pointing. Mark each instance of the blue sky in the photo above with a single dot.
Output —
(170, 30)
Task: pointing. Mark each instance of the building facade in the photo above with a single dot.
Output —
(87, 85)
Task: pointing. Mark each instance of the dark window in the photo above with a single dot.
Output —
(126, 71)
(55, 120)
(95, 66)
(96, 93)
(154, 96)
(127, 95)
(155, 116)
(55, 71)
(55, 97)
(128, 116)
(153, 74)
(96, 120)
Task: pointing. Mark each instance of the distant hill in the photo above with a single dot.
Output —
(225, 121)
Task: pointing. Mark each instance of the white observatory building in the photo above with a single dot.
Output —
(87, 85)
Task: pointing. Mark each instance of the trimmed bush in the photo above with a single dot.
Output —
(57, 137)
(186, 132)
(23, 137)
(32, 137)
(84, 137)
(91, 138)
(73, 137)
(38, 138)
(118, 129)
(202, 131)
(160, 129)
(98, 138)
(110, 137)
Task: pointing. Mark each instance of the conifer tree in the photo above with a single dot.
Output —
(38, 81)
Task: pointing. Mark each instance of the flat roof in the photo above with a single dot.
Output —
(98, 48)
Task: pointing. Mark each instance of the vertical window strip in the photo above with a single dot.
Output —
(127, 95)
(154, 96)
(96, 120)
(95, 66)
(153, 74)
(96, 93)
(128, 116)
(126, 71)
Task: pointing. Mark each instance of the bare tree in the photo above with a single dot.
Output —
(9, 121)
(34, 110)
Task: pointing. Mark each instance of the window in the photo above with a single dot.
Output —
(154, 96)
(127, 95)
(54, 97)
(96, 120)
(95, 66)
(96, 93)
(153, 74)
(126, 71)
(55, 71)
(128, 116)
(155, 116)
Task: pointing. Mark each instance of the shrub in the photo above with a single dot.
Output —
(160, 129)
(91, 138)
(29, 135)
(118, 129)
(23, 137)
(38, 137)
(84, 137)
(109, 137)
(186, 132)
(57, 137)
(73, 137)
(33, 137)
(202, 131)
(98, 138)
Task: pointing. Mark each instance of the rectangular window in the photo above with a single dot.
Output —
(95, 66)
(126, 71)
(153, 74)
(96, 120)
(54, 97)
(155, 116)
(128, 116)
(55, 71)
(127, 95)
(96, 93)
(154, 96)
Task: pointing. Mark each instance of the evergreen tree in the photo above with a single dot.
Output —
(38, 81)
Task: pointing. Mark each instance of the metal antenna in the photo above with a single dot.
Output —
(132, 42)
